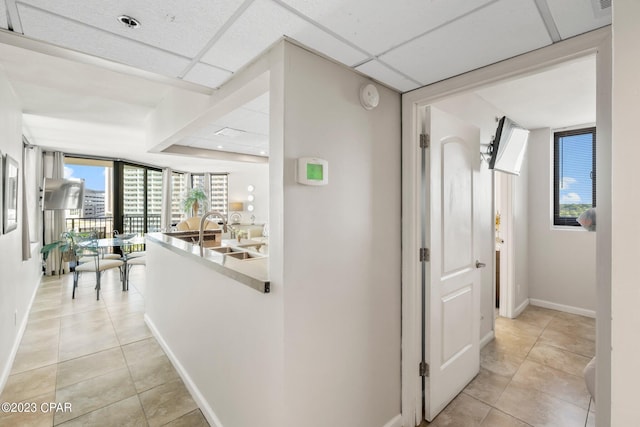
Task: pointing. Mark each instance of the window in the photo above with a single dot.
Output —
(141, 199)
(178, 190)
(219, 193)
(574, 174)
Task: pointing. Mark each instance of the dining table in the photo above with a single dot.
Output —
(125, 242)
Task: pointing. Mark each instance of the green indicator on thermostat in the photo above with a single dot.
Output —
(315, 172)
(312, 171)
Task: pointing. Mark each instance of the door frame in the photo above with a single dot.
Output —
(412, 103)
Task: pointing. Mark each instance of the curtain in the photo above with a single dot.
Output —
(54, 220)
(167, 192)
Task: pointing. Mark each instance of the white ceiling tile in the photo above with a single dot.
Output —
(207, 75)
(502, 30)
(182, 27)
(384, 74)
(377, 26)
(62, 32)
(3, 15)
(575, 17)
(261, 25)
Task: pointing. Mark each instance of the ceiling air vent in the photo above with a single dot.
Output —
(601, 8)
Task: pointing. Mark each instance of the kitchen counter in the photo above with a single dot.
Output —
(253, 271)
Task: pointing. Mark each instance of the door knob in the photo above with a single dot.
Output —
(480, 264)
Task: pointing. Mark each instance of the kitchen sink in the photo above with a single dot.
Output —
(225, 249)
(242, 255)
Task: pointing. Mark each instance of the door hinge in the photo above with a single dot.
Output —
(424, 369)
(424, 140)
(425, 255)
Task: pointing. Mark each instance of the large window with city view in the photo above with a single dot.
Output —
(574, 174)
(141, 199)
(97, 211)
(137, 191)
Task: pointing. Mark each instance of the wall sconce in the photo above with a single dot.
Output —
(251, 198)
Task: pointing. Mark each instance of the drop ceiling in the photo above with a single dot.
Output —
(404, 45)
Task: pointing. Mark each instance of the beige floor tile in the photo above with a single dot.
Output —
(166, 403)
(499, 361)
(518, 327)
(487, 386)
(557, 358)
(538, 408)
(192, 419)
(500, 419)
(44, 313)
(150, 372)
(91, 366)
(131, 328)
(125, 413)
(572, 343)
(32, 355)
(464, 410)
(143, 349)
(580, 326)
(513, 344)
(559, 384)
(78, 320)
(25, 385)
(39, 418)
(95, 393)
(86, 340)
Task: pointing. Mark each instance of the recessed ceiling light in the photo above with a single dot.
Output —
(220, 147)
(230, 132)
(129, 21)
(263, 152)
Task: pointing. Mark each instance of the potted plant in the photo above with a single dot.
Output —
(67, 245)
(193, 200)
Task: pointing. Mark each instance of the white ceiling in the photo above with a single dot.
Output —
(404, 45)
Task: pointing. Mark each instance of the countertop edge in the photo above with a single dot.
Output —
(187, 250)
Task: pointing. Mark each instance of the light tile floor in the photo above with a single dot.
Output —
(100, 357)
(530, 375)
(97, 355)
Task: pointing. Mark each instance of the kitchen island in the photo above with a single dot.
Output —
(244, 260)
(221, 324)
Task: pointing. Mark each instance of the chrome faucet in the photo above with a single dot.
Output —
(201, 231)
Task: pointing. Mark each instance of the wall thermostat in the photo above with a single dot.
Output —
(313, 171)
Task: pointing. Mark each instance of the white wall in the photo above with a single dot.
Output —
(224, 336)
(18, 279)
(341, 249)
(561, 259)
(258, 176)
(625, 205)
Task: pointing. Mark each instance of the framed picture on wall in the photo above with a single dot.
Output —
(10, 188)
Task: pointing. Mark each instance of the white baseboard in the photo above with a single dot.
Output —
(395, 421)
(206, 409)
(6, 370)
(487, 338)
(518, 311)
(562, 307)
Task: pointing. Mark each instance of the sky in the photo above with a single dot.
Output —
(575, 174)
(93, 175)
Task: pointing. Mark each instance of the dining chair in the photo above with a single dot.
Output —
(89, 259)
(136, 260)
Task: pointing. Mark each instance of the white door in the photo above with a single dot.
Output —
(451, 277)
